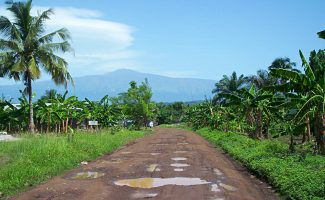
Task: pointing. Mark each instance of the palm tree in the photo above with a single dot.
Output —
(229, 84)
(262, 79)
(282, 63)
(25, 49)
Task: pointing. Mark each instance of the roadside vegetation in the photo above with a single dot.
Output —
(293, 175)
(36, 158)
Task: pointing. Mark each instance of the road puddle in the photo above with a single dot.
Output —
(155, 154)
(159, 182)
(178, 169)
(217, 172)
(87, 175)
(179, 165)
(180, 151)
(111, 162)
(179, 158)
(215, 188)
(114, 160)
(228, 187)
(153, 168)
(182, 143)
(143, 195)
(126, 152)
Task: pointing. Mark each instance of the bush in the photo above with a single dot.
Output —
(293, 177)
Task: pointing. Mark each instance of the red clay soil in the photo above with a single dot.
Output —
(187, 165)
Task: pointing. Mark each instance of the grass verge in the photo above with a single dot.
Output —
(293, 175)
(35, 159)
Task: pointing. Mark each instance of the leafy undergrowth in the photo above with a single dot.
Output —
(294, 176)
(34, 159)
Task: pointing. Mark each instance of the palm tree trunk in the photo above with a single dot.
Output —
(30, 99)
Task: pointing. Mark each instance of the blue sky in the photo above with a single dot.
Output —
(185, 38)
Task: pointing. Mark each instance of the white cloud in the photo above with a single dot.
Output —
(100, 45)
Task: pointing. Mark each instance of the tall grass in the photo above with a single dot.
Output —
(34, 159)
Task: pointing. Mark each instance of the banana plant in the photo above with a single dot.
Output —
(310, 83)
(254, 105)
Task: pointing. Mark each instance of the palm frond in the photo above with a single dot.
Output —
(321, 34)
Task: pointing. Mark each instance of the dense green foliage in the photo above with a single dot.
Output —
(296, 176)
(34, 159)
(136, 104)
(273, 103)
(170, 113)
(57, 113)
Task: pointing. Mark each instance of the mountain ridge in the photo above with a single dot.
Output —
(94, 87)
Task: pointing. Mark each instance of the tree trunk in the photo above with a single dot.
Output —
(306, 135)
(320, 132)
(250, 122)
(259, 124)
(30, 100)
(63, 126)
(67, 124)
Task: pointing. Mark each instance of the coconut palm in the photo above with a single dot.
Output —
(229, 84)
(262, 79)
(282, 63)
(25, 49)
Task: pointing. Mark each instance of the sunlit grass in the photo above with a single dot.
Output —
(34, 159)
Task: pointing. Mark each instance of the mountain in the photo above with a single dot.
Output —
(165, 89)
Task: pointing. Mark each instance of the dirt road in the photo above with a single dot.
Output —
(169, 164)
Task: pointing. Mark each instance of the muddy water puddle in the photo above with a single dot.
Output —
(178, 169)
(126, 152)
(179, 165)
(143, 195)
(87, 175)
(159, 182)
(153, 168)
(217, 172)
(228, 187)
(215, 188)
(179, 158)
(180, 151)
